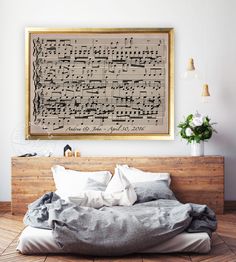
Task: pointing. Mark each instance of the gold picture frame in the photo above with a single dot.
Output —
(52, 111)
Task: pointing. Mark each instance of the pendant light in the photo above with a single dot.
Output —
(205, 93)
(190, 66)
(190, 72)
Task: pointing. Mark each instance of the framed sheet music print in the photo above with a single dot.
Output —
(99, 83)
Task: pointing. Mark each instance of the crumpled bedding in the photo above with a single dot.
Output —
(117, 230)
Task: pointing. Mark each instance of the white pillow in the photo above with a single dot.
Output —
(70, 182)
(118, 182)
(135, 175)
(119, 192)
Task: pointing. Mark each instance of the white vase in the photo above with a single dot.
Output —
(197, 149)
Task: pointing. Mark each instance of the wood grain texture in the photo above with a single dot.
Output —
(223, 246)
(194, 179)
(5, 206)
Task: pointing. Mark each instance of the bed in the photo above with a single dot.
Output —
(40, 241)
(191, 177)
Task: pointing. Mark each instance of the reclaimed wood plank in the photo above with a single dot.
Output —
(167, 258)
(5, 206)
(129, 258)
(194, 179)
(68, 258)
(218, 253)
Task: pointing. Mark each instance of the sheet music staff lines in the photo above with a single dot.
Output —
(99, 81)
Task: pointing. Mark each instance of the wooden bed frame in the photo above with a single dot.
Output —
(194, 179)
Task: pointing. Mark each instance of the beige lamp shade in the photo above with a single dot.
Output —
(205, 90)
(190, 65)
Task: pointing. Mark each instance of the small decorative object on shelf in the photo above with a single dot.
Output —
(66, 148)
(77, 153)
(196, 129)
(68, 153)
(28, 155)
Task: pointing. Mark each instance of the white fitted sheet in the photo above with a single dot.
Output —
(40, 241)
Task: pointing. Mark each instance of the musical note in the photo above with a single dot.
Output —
(100, 80)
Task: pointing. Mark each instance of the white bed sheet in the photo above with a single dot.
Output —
(40, 241)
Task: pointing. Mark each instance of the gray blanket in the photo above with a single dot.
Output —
(111, 231)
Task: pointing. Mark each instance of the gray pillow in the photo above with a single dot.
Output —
(153, 190)
(95, 185)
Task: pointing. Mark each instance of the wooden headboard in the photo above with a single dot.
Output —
(194, 179)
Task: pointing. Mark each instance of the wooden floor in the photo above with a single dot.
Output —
(223, 248)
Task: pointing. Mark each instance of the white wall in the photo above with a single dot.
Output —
(204, 29)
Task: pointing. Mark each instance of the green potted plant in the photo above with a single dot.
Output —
(196, 129)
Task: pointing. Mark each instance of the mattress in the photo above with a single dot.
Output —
(40, 241)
